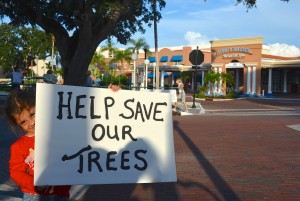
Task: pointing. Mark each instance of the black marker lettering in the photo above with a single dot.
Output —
(92, 109)
(109, 160)
(124, 160)
(158, 111)
(78, 106)
(106, 99)
(94, 132)
(94, 160)
(131, 110)
(127, 130)
(61, 105)
(136, 154)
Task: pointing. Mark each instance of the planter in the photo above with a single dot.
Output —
(209, 99)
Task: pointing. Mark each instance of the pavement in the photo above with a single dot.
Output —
(244, 149)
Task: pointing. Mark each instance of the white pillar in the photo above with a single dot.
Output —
(203, 73)
(153, 77)
(146, 77)
(237, 79)
(173, 79)
(284, 81)
(270, 81)
(253, 80)
(248, 79)
(215, 85)
(162, 79)
(220, 83)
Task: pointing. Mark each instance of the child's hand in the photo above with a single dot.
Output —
(114, 88)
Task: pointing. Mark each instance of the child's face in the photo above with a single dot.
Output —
(26, 120)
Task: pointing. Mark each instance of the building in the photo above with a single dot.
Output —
(255, 70)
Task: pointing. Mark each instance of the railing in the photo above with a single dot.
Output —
(30, 82)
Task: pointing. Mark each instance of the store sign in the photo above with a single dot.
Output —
(234, 65)
(234, 49)
(233, 56)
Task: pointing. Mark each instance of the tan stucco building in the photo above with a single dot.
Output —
(255, 70)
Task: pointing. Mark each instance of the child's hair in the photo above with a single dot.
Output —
(18, 101)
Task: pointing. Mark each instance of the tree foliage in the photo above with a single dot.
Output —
(22, 45)
(251, 3)
(79, 26)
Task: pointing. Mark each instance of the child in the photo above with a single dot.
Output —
(20, 110)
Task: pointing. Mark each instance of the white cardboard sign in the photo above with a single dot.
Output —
(97, 136)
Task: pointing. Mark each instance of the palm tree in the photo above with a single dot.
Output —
(121, 56)
(137, 44)
(155, 42)
(212, 77)
(98, 59)
(110, 48)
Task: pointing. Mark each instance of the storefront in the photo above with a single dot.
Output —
(255, 70)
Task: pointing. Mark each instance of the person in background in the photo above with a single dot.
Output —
(16, 78)
(89, 80)
(181, 94)
(49, 77)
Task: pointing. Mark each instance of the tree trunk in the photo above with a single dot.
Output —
(77, 59)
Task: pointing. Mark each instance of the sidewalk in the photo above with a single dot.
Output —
(218, 158)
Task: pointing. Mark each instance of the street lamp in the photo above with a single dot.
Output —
(134, 57)
(154, 68)
(146, 62)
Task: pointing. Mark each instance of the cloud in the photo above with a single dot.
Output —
(196, 38)
(282, 49)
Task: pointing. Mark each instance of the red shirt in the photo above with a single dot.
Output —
(21, 167)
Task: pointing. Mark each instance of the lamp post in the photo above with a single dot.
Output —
(146, 62)
(52, 52)
(154, 77)
(134, 57)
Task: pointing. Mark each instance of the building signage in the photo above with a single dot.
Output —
(231, 56)
(235, 65)
(234, 49)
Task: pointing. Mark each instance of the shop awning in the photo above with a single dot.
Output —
(176, 58)
(151, 59)
(150, 75)
(164, 59)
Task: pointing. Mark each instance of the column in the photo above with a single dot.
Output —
(215, 85)
(220, 83)
(173, 79)
(253, 80)
(284, 81)
(237, 80)
(202, 81)
(248, 79)
(162, 79)
(270, 81)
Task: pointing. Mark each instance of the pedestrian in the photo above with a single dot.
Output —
(181, 95)
(89, 80)
(20, 111)
(49, 77)
(16, 78)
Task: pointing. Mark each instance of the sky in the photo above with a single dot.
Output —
(196, 22)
